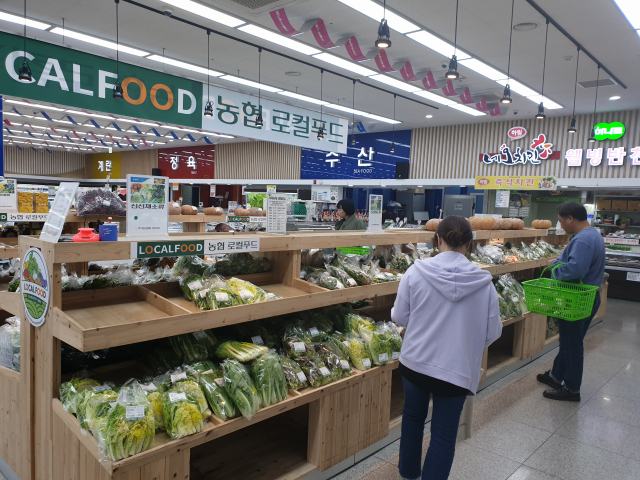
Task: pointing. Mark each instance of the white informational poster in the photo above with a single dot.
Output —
(375, 213)
(277, 213)
(147, 212)
(232, 207)
(58, 212)
(271, 189)
(321, 193)
(212, 191)
(333, 197)
(8, 195)
(502, 199)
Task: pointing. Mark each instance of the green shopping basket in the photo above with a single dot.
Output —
(564, 300)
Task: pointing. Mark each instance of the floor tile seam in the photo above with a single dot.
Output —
(598, 446)
(522, 423)
(497, 454)
(545, 473)
(368, 472)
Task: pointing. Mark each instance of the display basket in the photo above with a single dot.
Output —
(563, 300)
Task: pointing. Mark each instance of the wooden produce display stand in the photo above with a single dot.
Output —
(311, 430)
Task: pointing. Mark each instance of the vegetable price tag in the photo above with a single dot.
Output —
(207, 372)
(222, 297)
(325, 371)
(135, 412)
(473, 235)
(257, 340)
(245, 294)
(299, 346)
(515, 299)
(199, 335)
(301, 376)
(195, 285)
(395, 355)
(346, 344)
(344, 364)
(314, 332)
(101, 389)
(203, 293)
(366, 362)
(383, 357)
(352, 282)
(176, 397)
(220, 382)
(112, 404)
(149, 388)
(178, 376)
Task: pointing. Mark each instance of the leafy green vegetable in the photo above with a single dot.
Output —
(352, 268)
(69, 390)
(256, 332)
(366, 328)
(351, 324)
(297, 341)
(247, 292)
(239, 264)
(189, 264)
(155, 400)
(192, 388)
(340, 342)
(182, 414)
(221, 297)
(243, 352)
(97, 409)
(334, 360)
(84, 397)
(401, 263)
(241, 388)
(293, 373)
(269, 379)
(14, 285)
(212, 384)
(194, 346)
(191, 285)
(359, 354)
(315, 370)
(341, 275)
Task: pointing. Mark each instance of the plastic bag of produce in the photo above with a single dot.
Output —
(10, 343)
(269, 379)
(339, 341)
(240, 388)
(191, 387)
(359, 354)
(99, 201)
(129, 427)
(194, 346)
(401, 263)
(351, 321)
(211, 380)
(84, 397)
(366, 328)
(182, 416)
(191, 285)
(385, 343)
(341, 275)
(97, 410)
(255, 332)
(154, 394)
(219, 296)
(69, 390)
(313, 257)
(324, 280)
(294, 375)
(244, 352)
(337, 364)
(350, 264)
(189, 264)
(315, 370)
(247, 292)
(297, 341)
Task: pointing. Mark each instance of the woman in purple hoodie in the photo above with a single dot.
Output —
(450, 309)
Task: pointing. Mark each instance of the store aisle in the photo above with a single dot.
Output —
(520, 435)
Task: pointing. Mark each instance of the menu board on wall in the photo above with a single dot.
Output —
(502, 199)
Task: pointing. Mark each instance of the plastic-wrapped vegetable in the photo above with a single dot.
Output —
(317, 324)
(269, 379)
(315, 370)
(385, 343)
(69, 390)
(333, 359)
(10, 343)
(352, 268)
(294, 375)
(366, 328)
(359, 354)
(351, 324)
(325, 280)
(341, 275)
(191, 387)
(339, 341)
(194, 346)
(401, 263)
(154, 395)
(191, 285)
(297, 341)
(189, 264)
(239, 264)
(246, 291)
(182, 416)
(84, 397)
(241, 388)
(218, 296)
(97, 410)
(256, 333)
(99, 201)
(241, 351)
(211, 380)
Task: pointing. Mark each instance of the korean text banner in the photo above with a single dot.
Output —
(516, 183)
(235, 113)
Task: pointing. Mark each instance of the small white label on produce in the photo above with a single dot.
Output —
(298, 346)
(135, 412)
(395, 355)
(101, 389)
(301, 376)
(366, 362)
(314, 331)
(178, 376)
(383, 357)
(257, 340)
(344, 364)
(176, 397)
(199, 335)
(325, 371)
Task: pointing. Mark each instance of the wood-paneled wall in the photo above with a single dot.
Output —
(452, 152)
(257, 160)
(56, 164)
(135, 162)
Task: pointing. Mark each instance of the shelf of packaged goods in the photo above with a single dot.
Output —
(623, 269)
(618, 211)
(602, 225)
(94, 319)
(518, 266)
(622, 253)
(165, 446)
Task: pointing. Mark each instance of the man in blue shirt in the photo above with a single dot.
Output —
(584, 258)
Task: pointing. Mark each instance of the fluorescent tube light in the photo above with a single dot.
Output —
(483, 69)
(434, 98)
(342, 108)
(395, 83)
(20, 20)
(376, 11)
(206, 12)
(548, 104)
(519, 88)
(186, 66)
(278, 39)
(250, 83)
(468, 110)
(437, 44)
(631, 10)
(381, 119)
(98, 41)
(303, 98)
(36, 105)
(346, 64)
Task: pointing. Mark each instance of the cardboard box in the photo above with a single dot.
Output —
(633, 205)
(604, 204)
(619, 205)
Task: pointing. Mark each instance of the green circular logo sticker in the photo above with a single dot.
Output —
(609, 131)
(34, 287)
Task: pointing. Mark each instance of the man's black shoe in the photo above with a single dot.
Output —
(562, 394)
(547, 380)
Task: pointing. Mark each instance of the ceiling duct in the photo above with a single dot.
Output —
(603, 82)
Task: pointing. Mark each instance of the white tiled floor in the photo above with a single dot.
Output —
(520, 435)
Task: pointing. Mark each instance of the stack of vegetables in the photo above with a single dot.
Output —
(510, 296)
(214, 292)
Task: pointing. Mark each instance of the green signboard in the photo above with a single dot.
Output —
(166, 249)
(609, 131)
(557, 199)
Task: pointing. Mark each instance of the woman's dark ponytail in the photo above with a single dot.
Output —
(454, 231)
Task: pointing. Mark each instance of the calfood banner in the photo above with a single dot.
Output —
(84, 81)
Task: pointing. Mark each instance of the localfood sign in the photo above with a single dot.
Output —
(196, 247)
(539, 150)
(516, 183)
(609, 131)
(34, 287)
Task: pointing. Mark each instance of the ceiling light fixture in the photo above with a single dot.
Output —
(23, 21)
(518, 87)
(483, 69)
(117, 90)
(428, 116)
(629, 9)
(65, 32)
(186, 66)
(506, 95)
(572, 127)
(250, 83)
(321, 129)
(384, 37)
(208, 108)
(375, 11)
(540, 115)
(393, 138)
(206, 12)
(436, 44)
(273, 37)
(353, 115)
(259, 120)
(24, 74)
(395, 83)
(615, 97)
(452, 73)
(592, 136)
(302, 97)
(346, 64)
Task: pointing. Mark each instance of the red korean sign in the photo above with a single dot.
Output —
(187, 162)
(516, 133)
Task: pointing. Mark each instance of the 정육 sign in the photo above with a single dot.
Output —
(516, 183)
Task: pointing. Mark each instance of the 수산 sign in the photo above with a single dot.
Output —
(81, 80)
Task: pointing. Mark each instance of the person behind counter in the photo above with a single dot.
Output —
(348, 220)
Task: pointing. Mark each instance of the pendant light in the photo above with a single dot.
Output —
(321, 130)
(572, 127)
(208, 108)
(452, 73)
(506, 95)
(393, 138)
(24, 73)
(259, 120)
(384, 37)
(592, 136)
(353, 115)
(117, 90)
(540, 115)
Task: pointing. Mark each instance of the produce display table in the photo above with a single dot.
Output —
(312, 430)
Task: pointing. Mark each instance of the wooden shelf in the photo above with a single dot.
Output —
(11, 302)
(518, 266)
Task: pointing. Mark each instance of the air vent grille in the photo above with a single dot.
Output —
(254, 4)
(604, 82)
